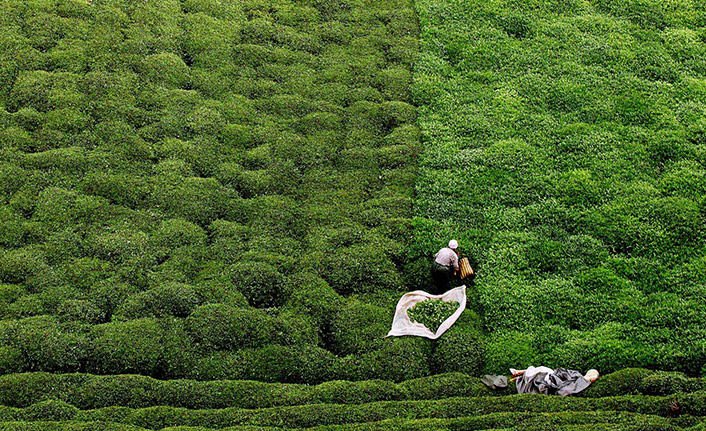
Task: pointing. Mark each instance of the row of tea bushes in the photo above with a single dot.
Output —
(87, 391)
(570, 421)
(258, 347)
(652, 409)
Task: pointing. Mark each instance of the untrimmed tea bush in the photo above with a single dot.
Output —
(143, 346)
(176, 233)
(50, 410)
(534, 160)
(225, 327)
(358, 327)
(313, 297)
(21, 264)
(397, 359)
(44, 345)
(80, 310)
(461, 348)
(359, 269)
(166, 69)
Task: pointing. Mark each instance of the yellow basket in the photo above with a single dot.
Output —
(465, 266)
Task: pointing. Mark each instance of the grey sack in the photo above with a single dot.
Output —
(559, 382)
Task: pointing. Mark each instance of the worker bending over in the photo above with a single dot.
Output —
(444, 267)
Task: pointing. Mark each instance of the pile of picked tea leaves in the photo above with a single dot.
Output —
(432, 313)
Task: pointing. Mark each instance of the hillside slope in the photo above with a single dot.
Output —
(565, 148)
(205, 211)
(206, 189)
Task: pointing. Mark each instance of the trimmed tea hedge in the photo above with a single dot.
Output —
(575, 410)
(86, 391)
(592, 421)
(192, 188)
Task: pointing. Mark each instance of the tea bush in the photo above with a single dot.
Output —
(224, 327)
(172, 299)
(147, 346)
(462, 412)
(312, 297)
(358, 327)
(397, 359)
(262, 284)
(88, 391)
(456, 397)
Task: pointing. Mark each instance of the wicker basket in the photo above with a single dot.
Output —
(466, 270)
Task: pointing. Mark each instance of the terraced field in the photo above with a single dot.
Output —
(209, 208)
(629, 399)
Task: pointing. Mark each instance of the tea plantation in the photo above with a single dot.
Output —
(209, 208)
(205, 189)
(565, 148)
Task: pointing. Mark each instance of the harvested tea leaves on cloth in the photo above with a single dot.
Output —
(432, 313)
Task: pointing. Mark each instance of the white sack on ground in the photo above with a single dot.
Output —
(401, 325)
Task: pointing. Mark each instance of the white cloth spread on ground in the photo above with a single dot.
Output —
(401, 325)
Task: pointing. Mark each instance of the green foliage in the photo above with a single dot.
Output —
(80, 310)
(262, 284)
(432, 313)
(175, 233)
(359, 269)
(108, 294)
(120, 189)
(461, 348)
(636, 413)
(275, 363)
(225, 327)
(358, 327)
(662, 383)
(569, 174)
(398, 359)
(57, 208)
(170, 299)
(43, 344)
(11, 360)
(197, 200)
(516, 25)
(87, 391)
(313, 297)
(166, 69)
(147, 346)
(50, 410)
(21, 264)
(84, 273)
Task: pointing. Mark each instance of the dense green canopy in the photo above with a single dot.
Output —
(197, 188)
(565, 149)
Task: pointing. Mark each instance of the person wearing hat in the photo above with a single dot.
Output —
(444, 267)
